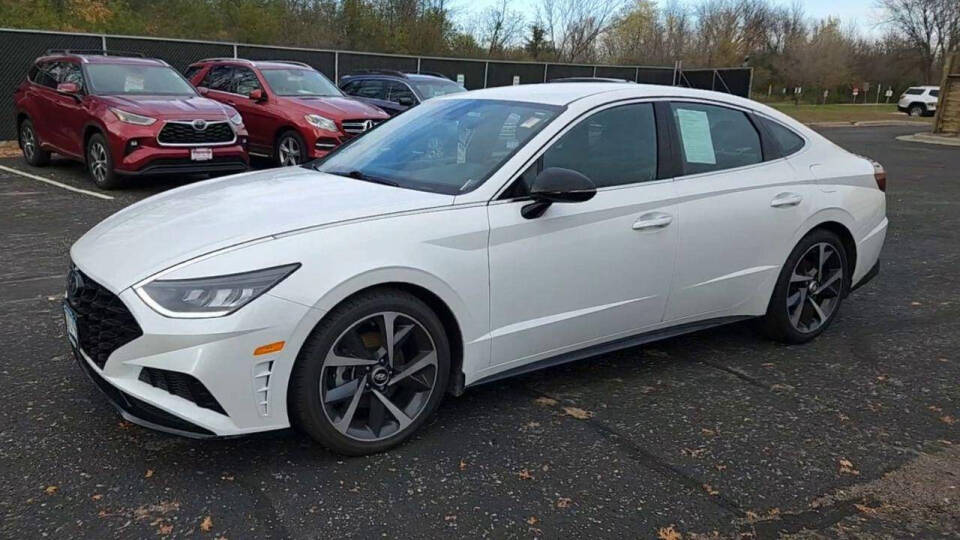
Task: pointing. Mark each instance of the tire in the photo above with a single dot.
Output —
(286, 142)
(819, 292)
(325, 396)
(100, 163)
(30, 145)
(916, 110)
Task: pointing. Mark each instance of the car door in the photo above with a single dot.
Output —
(219, 83)
(584, 273)
(738, 215)
(68, 110)
(42, 93)
(256, 115)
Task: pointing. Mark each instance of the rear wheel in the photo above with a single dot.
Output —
(30, 145)
(100, 163)
(290, 149)
(810, 288)
(370, 373)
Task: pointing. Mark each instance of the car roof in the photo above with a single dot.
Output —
(565, 93)
(398, 76)
(262, 64)
(103, 59)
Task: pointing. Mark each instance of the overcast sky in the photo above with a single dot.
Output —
(863, 13)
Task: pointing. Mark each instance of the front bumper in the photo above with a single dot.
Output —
(216, 355)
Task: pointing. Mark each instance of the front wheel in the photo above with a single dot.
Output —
(916, 110)
(290, 149)
(100, 163)
(810, 288)
(371, 373)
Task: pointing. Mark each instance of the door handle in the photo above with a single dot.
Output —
(784, 200)
(653, 220)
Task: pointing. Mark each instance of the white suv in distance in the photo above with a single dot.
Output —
(919, 100)
(477, 236)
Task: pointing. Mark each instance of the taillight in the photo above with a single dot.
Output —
(880, 175)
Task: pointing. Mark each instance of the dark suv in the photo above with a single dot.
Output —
(122, 116)
(292, 111)
(395, 91)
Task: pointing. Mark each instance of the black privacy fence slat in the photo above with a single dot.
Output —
(178, 54)
(21, 47)
(562, 71)
(323, 61)
(472, 71)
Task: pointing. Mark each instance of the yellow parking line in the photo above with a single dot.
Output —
(55, 183)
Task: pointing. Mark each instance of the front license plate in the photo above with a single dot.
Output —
(70, 318)
(201, 154)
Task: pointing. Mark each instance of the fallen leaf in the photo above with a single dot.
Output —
(915, 303)
(51, 490)
(842, 417)
(563, 502)
(545, 401)
(752, 516)
(206, 524)
(450, 517)
(668, 533)
(577, 413)
(934, 408)
(165, 529)
(846, 467)
(949, 420)
(525, 475)
(148, 474)
(97, 497)
(531, 425)
(708, 432)
(710, 490)
(695, 453)
(721, 468)
(532, 520)
(865, 509)
(463, 465)
(227, 477)
(768, 365)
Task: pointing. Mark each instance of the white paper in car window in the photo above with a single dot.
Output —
(133, 84)
(695, 134)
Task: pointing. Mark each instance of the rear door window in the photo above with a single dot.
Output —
(373, 89)
(191, 71)
(219, 78)
(714, 138)
(46, 74)
(935, 93)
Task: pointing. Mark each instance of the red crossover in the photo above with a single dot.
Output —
(122, 116)
(292, 111)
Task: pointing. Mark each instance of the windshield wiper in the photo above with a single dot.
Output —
(360, 175)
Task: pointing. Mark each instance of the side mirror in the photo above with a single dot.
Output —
(256, 94)
(68, 88)
(557, 185)
(203, 90)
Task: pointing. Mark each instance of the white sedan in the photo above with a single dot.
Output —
(478, 236)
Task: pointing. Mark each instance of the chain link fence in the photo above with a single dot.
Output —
(22, 47)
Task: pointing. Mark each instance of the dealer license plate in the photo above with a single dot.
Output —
(201, 154)
(70, 318)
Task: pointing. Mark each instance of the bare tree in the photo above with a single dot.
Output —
(932, 27)
(500, 28)
(574, 26)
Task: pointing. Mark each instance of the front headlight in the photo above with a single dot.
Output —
(213, 296)
(237, 120)
(132, 118)
(320, 121)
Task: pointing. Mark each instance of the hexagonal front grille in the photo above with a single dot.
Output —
(104, 324)
(184, 133)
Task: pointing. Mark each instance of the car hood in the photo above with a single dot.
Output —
(171, 107)
(194, 220)
(337, 107)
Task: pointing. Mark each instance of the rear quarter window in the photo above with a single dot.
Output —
(789, 142)
(935, 93)
(914, 91)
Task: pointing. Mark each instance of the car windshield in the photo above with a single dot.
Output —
(299, 82)
(113, 79)
(444, 146)
(433, 88)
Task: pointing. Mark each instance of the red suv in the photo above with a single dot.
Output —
(292, 111)
(122, 116)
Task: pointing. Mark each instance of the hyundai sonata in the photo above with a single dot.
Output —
(478, 236)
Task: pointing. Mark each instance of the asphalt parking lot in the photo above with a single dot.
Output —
(719, 433)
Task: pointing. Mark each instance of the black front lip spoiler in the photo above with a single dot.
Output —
(139, 412)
